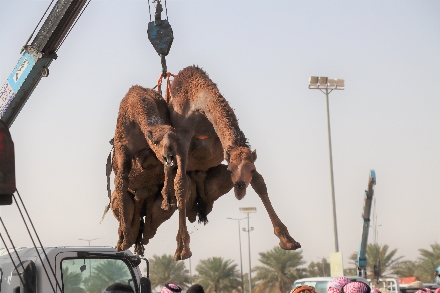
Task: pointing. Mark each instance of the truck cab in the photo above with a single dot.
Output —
(69, 270)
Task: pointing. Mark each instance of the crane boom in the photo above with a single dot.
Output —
(361, 261)
(37, 57)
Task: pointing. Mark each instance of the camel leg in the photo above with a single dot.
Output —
(168, 201)
(191, 205)
(280, 230)
(183, 250)
(140, 199)
(122, 203)
(181, 185)
(196, 204)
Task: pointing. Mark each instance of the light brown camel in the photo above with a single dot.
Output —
(143, 131)
(201, 115)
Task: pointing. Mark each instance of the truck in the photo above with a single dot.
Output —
(69, 270)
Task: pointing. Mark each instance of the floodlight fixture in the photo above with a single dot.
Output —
(331, 83)
(313, 81)
(322, 81)
(340, 84)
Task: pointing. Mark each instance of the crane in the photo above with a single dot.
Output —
(361, 261)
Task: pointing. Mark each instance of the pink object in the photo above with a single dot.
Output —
(437, 290)
(375, 290)
(356, 287)
(170, 288)
(336, 284)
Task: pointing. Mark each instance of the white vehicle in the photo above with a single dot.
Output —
(69, 270)
(320, 283)
(385, 285)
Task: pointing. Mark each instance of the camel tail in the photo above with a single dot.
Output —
(201, 210)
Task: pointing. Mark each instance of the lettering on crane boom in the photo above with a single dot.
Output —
(21, 69)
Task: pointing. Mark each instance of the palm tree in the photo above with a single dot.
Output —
(319, 269)
(106, 273)
(218, 275)
(376, 255)
(407, 268)
(164, 269)
(72, 281)
(278, 271)
(386, 261)
(246, 283)
(429, 262)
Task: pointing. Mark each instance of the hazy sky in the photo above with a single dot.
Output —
(261, 55)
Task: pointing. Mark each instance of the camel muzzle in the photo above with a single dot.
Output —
(240, 189)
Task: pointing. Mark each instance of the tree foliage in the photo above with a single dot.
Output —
(386, 260)
(72, 281)
(105, 274)
(164, 269)
(319, 269)
(218, 275)
(380, 256)
(429, 260)
(278, 271)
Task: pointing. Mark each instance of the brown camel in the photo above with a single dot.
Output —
(143, 132)
(204, 120)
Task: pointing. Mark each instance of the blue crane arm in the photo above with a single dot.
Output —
(361, 261)
(35, 61)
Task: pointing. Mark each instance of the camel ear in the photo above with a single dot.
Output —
(150, 135)
(254, 155)
(226, 155)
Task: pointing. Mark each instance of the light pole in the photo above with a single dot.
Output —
(239, 242)
(327, 85)
(247, 211)
(90, 263)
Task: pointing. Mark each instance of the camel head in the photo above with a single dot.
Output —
(163, 141)
(241, 165)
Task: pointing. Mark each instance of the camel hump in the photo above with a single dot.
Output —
(145, 105)
(192, 79)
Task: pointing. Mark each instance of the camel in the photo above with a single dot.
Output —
(143, 132)
(203, 118)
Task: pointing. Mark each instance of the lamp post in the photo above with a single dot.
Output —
(247, 211)
(327, 85)
(90, 263)
(239, 242)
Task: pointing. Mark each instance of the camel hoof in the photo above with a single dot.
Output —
(177, 255)
(289, 245)
(165, 205)
(186, 253)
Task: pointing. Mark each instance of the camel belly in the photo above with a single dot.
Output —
(205, 152)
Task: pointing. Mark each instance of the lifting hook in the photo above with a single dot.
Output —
(160, 35)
